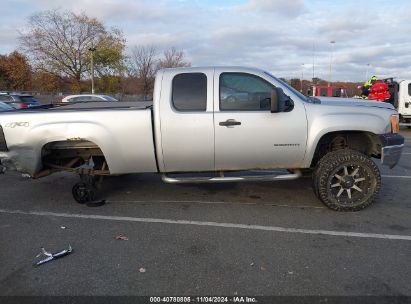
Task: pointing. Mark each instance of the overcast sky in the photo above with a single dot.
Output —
(284, 37)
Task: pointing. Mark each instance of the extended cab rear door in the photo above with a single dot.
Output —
(247, 134)
(184, 117)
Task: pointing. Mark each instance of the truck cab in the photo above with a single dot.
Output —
(228, 121)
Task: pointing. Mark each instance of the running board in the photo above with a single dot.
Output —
(223, 179)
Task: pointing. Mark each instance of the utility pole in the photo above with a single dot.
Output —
(313, 61)
(302, 77)
(92, 50)
(331, 61)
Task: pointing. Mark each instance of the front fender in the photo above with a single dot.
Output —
(322, 124)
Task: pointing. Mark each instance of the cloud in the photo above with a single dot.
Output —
(289, 8)
(344, 27)
(275, 35)
(112, 9)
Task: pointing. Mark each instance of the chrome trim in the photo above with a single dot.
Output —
(267, 178)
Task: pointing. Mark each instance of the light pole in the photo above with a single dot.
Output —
(366, 71)
(313, 61)
(302, 77)
(92, 50)
(331, 61)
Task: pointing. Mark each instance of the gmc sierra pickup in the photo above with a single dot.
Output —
(212, 121)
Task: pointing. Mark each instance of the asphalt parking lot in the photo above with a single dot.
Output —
(215, 239)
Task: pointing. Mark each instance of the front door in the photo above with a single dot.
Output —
(247, 134)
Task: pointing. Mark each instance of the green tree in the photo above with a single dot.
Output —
(59, 42)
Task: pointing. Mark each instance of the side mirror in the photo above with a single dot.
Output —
(277, 100)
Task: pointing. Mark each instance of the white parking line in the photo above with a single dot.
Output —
(215, 202)
(396, 176)
(214, 224)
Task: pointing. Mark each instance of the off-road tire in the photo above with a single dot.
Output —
(336, 186)
(315, 178)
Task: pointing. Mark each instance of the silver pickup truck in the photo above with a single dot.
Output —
(214, 124)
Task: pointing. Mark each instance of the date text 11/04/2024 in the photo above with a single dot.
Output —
(203, 299)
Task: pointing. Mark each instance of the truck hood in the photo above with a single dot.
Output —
(354, 102)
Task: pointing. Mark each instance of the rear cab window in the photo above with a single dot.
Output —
(189, 92)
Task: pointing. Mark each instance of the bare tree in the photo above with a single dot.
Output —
(172, 59)
(143, 65)
(59, 42)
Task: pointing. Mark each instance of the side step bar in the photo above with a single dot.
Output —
(223, 179)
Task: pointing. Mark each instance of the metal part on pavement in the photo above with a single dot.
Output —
(52, 256)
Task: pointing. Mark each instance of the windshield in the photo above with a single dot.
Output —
(109, 98)
(303, 97)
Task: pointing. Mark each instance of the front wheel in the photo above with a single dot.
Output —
(346, 180)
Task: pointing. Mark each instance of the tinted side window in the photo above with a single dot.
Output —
(5, 98)
(190, 92)
(409, 89)
(28, 99)
(244, 92)
(77, 99)
(87, 98)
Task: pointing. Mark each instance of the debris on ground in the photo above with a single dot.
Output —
(121, 237)
(262, 268)
(142, 270)
(63, 227)
(25, 175)
(52, 256)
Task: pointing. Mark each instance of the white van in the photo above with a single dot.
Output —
(404, 101)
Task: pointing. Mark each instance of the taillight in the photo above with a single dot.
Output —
(395, 128)
(24, 105)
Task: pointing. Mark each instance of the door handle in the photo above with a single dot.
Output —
(229, 122)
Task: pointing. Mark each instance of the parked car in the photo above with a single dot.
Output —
(189, 136)
(87, 97)
(18, 101)
(5, 107)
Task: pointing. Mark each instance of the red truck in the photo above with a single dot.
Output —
(329, 91)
